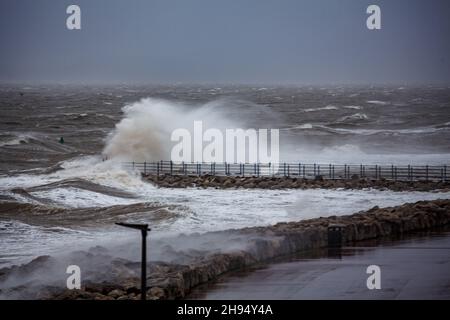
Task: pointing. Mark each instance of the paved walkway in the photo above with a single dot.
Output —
(410, 269)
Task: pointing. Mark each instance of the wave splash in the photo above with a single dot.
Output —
(144, 132)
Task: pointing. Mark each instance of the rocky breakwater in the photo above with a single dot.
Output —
(229, 182)
(118, 278)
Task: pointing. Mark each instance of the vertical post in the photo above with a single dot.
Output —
(315, 174)
(157, 168)
(144, 231)
(288, 170)
(445, 173)
(426, 169)
(145, 167)
(329, 170)
(284, 169)
(376, 172)
(392, 172)
(171, 167)
(133, 165)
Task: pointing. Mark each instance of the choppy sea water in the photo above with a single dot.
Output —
(57, 196)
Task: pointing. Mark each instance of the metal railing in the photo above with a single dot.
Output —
(295, 170)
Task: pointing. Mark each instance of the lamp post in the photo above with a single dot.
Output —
(144, 230)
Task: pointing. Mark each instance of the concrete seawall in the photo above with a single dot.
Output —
(169, 281)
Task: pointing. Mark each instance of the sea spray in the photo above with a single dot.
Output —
(145, 133)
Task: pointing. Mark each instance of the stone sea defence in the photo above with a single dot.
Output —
(175, 280)
(229, 182)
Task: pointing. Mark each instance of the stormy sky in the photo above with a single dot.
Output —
(225, 41)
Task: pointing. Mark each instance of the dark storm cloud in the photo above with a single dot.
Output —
(245, 41)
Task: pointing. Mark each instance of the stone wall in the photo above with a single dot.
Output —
(222, 182)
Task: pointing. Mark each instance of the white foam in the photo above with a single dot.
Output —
(352, 107)
(357, 116)
(21, 138)
(377, 102)
(329, 107)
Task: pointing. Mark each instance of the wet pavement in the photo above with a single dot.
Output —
(413, 268)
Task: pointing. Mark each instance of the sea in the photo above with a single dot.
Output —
(59, 197)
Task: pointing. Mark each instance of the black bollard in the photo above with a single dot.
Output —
(144, 230)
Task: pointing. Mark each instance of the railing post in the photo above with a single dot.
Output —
(157, 168)
(445, 173)
(284, 169)
(426, 169)
(145, 167)
(171, 167)
(133, 165)
(329, 170)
